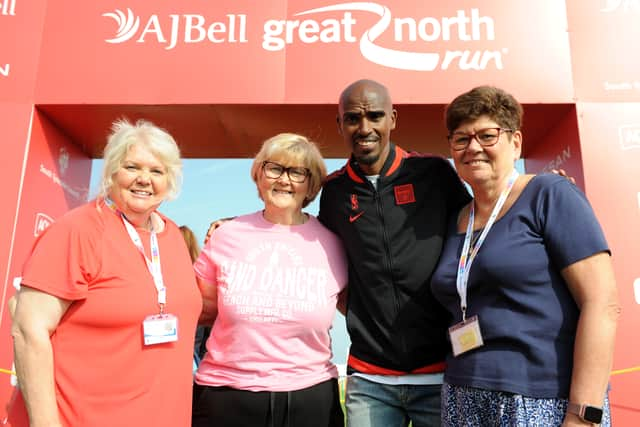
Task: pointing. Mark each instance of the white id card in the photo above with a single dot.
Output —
(465, 336)
(160, 328)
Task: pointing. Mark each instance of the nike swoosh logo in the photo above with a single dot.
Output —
(354, 217)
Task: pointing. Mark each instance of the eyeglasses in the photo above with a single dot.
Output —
(485, 137)
(275, 170)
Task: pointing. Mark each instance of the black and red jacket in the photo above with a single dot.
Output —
(393, 236)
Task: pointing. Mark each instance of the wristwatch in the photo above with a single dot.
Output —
(591, 414)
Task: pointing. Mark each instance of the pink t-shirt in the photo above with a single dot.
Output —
(277, 292)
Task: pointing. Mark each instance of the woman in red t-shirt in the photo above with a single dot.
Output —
(106, 313)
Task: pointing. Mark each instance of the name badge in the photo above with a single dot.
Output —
(466, 336)
(160, 328)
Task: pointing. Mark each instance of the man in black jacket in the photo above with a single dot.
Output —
(390, 208)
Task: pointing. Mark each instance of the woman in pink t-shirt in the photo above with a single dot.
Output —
(271, 280)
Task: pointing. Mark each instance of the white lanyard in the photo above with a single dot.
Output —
(153, 265)
(469, 254)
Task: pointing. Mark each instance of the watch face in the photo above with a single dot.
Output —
(592, 414)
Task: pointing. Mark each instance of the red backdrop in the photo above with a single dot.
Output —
(96, 60)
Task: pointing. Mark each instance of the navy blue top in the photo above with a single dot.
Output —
(527, 315)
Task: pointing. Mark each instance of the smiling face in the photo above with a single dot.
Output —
(140, 184)
(365, 120)
(479, 165)
(281, 195)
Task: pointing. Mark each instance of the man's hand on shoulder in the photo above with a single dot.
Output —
(214, 225)
(563, 173)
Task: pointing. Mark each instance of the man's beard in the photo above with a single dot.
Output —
(368, 159)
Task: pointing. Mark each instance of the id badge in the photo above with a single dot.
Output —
(160, 328)
(465, 336)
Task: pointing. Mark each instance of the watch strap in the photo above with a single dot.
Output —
(574, 408)
(592, 414)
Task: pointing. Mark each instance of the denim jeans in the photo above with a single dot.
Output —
(370, 404)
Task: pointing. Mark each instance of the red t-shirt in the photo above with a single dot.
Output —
(104, 374)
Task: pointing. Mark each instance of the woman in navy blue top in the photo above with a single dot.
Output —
(526, 275)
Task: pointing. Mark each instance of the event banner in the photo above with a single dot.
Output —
(242, 51)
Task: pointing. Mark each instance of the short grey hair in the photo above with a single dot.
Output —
(124, 135)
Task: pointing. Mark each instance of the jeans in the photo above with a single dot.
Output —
(371, 404)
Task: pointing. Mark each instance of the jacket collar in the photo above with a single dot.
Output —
(396, 154)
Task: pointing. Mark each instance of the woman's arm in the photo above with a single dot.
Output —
(209, 294)
(592, 284)
(12, 306)
(36, 317)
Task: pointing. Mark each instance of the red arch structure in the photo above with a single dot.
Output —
(224, 75)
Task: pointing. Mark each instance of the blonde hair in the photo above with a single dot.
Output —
(297, 149)
(124, 135)
(191, 241)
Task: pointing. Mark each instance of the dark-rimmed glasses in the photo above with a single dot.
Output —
(275, 170)
(486, 137)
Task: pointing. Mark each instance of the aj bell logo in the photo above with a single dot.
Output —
(466, 26)
(195, 27)
(127, 25)
(629, 136)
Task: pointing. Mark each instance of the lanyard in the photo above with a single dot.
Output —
(153, 265)
(469, 254)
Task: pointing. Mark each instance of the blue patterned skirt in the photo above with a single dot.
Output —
(469, 406)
